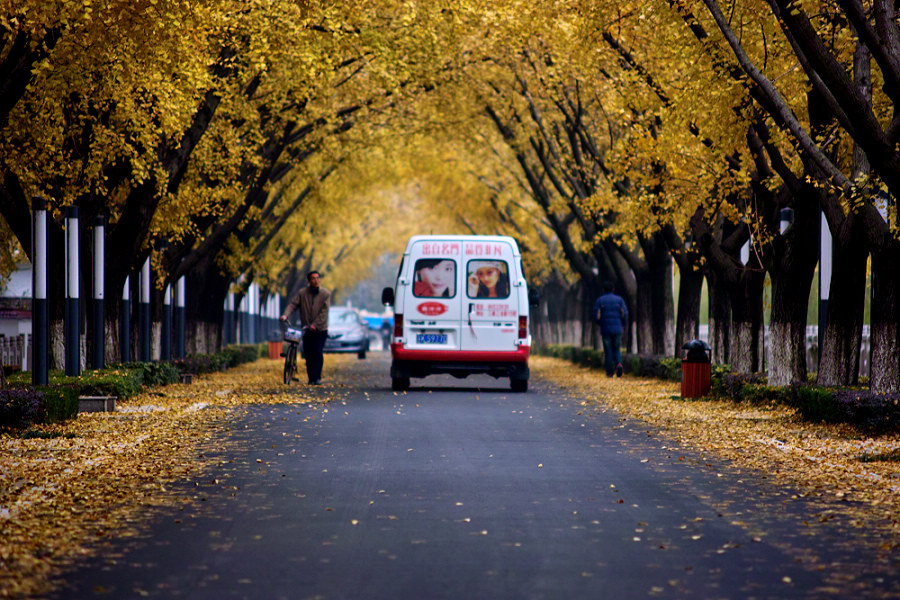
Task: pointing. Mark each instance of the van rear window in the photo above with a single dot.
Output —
(435, 278)
(487, 278)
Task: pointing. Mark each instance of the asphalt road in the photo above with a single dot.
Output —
(464, 490)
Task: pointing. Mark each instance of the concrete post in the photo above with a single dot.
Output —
(125, 322)
(180, 321)
(144, 324)
(98, 357)
(165, 339)
(40, 329)
(73, 300)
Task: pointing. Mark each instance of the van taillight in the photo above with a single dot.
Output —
(398, 325)
(523, 327)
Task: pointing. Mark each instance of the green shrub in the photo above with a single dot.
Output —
(157, 373)
(756, 393)
(241, 354)
(122, 383)
(647, 365)
(19, 379)
(201, 363)
(20, 407)
(670, 369)
(815, 403)
(632, 364)
(869, 411)
(717, 380)
(589, 357)
(730, 386)
(230, 356)
(60, 403)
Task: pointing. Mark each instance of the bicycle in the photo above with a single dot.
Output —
(292, 337)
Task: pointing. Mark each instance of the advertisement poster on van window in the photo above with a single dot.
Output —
(488, 283)
(491, 312)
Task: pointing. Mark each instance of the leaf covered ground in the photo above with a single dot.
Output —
(64, 488)
(850, 480)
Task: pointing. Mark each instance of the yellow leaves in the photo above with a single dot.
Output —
(103, 474)
(824, 462)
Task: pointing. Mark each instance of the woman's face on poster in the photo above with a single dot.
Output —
(439, 277)
(488, 276)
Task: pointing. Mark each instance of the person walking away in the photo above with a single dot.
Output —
(313, 302)
(612, 316)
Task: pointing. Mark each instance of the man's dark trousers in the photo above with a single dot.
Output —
(612, 352)
(313, 346)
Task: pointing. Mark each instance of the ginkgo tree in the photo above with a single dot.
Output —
(843, 51)
(175, 137)
(257, 139)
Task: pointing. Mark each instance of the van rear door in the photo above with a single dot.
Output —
(490, 307)
(432, 320)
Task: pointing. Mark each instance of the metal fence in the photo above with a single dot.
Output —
(812, 347)
(13, 352)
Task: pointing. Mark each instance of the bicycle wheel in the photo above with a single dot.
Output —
(290, 363)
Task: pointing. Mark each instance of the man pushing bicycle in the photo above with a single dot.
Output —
(313, 302)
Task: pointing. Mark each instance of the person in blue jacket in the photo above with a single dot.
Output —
(611, 314)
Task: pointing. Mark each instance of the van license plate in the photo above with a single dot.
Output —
(431, 338)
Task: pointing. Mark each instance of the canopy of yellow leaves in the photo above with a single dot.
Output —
(417, 149)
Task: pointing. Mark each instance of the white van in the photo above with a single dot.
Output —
(460, 307)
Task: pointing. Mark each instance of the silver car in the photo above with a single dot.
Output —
(347, 331)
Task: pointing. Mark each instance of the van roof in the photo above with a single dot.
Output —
(464, 238)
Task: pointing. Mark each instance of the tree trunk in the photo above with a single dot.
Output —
(885, 328)
(111, 337)
(839, 362)
(662, 316)
(719, 320)
(792, 273)
(687, 326)
(643, 313)
(787, 331)
(589, 333)
(203, 337)
(840, 341)
(746, 296)
(206, 289)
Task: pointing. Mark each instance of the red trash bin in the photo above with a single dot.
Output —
(695, 370)
(276, 341)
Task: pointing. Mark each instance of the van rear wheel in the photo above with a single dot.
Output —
(518, 385)
(399, 384)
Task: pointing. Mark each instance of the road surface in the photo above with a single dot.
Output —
(461, 489)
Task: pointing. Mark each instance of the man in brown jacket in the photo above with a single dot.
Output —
(313, 302)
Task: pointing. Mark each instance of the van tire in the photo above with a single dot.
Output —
(518, 385)
(399, 384)
(361, 355)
